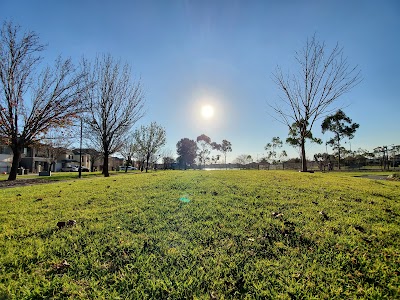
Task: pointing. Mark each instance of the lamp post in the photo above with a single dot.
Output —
(393, 155)
(80, 152)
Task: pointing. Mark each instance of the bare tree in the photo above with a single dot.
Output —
(127, 151)
(94, 156)
(150, 139)
(55, 94)
(323, 77)
(139, 155)
(385, 156)
(168, 162)
(55, 143)
(243, 159)
(395, 150)
(115, 104)
(323, 159)
(167, 156)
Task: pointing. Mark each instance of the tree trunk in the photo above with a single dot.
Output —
(105, 165)
(338, 143)
(17, 151)
(142, 165)
(303, 156)
(127, 164)
(147, 162)
(385, 158)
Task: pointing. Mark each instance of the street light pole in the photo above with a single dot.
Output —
(80, 153)
(393, 155)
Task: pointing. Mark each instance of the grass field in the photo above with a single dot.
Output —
(202, 235)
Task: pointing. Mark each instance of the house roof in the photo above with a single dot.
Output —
(84, 151)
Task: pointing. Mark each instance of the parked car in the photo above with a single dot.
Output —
(123, 168)
(76, 169)
(66, 169)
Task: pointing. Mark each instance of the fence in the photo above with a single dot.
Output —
(311, 165)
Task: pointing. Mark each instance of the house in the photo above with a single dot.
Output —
(85, 157)
(114, 163)
(97, 161)
(36, 159)
(70, 158)
(65, 161)
(90, 159)
(43, 157)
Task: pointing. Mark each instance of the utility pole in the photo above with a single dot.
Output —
(80, 152)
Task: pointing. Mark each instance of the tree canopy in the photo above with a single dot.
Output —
(226, 147)
(187, 152)
(272, 147)
(204, 148)
(341, 126)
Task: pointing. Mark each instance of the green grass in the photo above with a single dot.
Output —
(135, 239)
(56, 176)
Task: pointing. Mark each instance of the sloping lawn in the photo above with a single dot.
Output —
(202, 235)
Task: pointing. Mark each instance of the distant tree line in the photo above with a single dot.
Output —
(198, 152)
(343, 130)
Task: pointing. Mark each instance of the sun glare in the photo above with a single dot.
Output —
(207, 111)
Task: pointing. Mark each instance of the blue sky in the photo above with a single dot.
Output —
(223, 53)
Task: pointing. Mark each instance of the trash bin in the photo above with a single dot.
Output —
(20, 171)
(26, 171)
(45, 173)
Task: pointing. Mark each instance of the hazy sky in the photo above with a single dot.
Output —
(223, 53)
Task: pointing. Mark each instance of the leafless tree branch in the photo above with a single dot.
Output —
(115, 104)
(323, 77)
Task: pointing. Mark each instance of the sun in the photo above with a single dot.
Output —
(207, 111)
